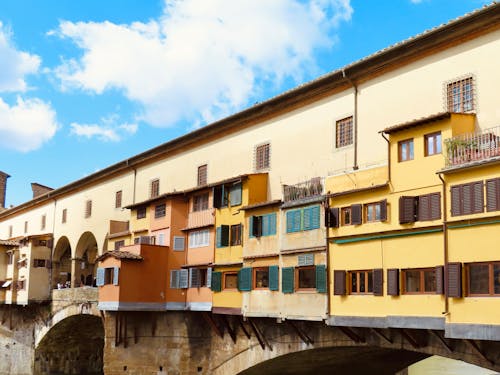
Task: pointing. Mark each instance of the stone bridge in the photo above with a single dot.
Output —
(70, 336)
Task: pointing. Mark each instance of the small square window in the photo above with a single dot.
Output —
(343, 132)
(405, 150)
(432, 144)
(372, 212)
(141, 212)
(230, 280)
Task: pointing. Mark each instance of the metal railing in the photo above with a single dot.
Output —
(471, 147)
(306, 189)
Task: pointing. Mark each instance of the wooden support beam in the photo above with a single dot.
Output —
(125, 341)
(230, 330)
(136, 333)
(382, 335)
(243, 328)
(153, 324)
(475, 348)
(303, 336)
(262, 340)
(413, 342)
(117, 328)
(351, 334)
(211, 322)
(441, 339)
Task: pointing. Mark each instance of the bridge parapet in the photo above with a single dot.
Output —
(62, 298)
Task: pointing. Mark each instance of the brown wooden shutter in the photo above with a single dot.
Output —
(332, 217)
(393, 282)
(493, 195)
(456, 200)
(356, 214)
(423, 208)
(339, 288)
(439, 280)
(406, 210)
(383, 210)
(435, 206)
(454, 280)
(467, 199)
(378, 282)
(478, 197)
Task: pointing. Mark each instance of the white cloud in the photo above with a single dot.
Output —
(416, 1)
(106, 133)
(202, 59)
(26, 125)
(14, 64)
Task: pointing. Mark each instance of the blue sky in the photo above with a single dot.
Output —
(87, 83)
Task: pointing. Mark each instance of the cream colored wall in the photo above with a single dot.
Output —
(38, 280)
(3, 262)
(34, 219)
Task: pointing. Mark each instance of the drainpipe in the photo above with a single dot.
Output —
(328, 261)
(355, 120)
(52, 247)
(445, 246)
(388, 156)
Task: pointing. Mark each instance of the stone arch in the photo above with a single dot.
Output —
(61, 263)
(85, 255)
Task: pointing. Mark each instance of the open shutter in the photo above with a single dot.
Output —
(217, 196)
(116, 271)
(454, 278)
(183, 279)
(321, 278)
(271, 224)
(245, 279)
(456, 204)
(273, 278)
(224, 237)
(287, 279)
(332, 217)
(378, 282)
(209, 277)
(235, 195)
(383, 210)
(478, 193)
(393, 282)
(339, 285)
(216, 284)
(100, 277)
(439, 280)
(424, 208)
(356, 214)
(218, 237)
(435, 202)
(493, 194)
(406, 210)
(174, 279)
(256, 225)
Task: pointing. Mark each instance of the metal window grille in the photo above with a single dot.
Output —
(343, 132)
(262, 156)
(460, 95)
(202, 175)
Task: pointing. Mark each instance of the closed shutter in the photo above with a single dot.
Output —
(439, 280)
(293, 221)
(235, 195)
(424, 208)
(435, 203)
(287, 279)
(356, 214)
(393, 282)
(179, 243)
(467, 198)
(174, 279)
(245, 279)
(478, 193)
(194, 278)
(217, 196)
(454, 278)
(493, 195)
(183, 279)
(256, 225)
(378, 282)
(339, 287)
(100, 277)
(216, 284)
(116, 271)
(271, 224)
(321, 278)
(273, 278)
(456, 200)
(307, 218)
(305, 260)
(383, 210)
(224, 237)
(314, 217)
(332, 217)
(209, 277)
(406, 210)
(218, 233)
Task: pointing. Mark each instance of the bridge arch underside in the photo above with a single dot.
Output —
(73, 346)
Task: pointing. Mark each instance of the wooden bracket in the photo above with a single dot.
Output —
(382, 335)
(243, 328)
(211, 322)
(262, 340)
(475, 348)
(351, 334)
(441, 339)
(413, 342)
(230, 330)
(303, 336)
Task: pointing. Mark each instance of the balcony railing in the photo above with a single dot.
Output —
(306, 189)
(472, 147)
(201, 218)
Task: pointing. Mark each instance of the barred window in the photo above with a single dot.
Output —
(154, 188)
(262, 156)
(343, 132)
(118, 199)
(64, 215)
(88, 209)
(202, 175)
(160, 210)
(460, 95)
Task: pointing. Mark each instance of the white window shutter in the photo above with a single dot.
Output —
(100, 277)
(183, 278)
(115, 275)
(174, 279)
(178, 243)
(306, 260)
(209, 277)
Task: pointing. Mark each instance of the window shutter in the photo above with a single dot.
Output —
(378, 282)
(456, 204)
(383, 210)
(454, 278)
(224, 235)
(435, 203)
(183, 279)
(493, 194)
(339, 285)
(356, 214)
(271, 224)
(273, 278)
(179, 243)
(235, 195)
(174, 279)
(321, 278)
(305, 260)
(287, 279)
(217, 196)
(393, 282)
(467, 198)
(315, 217)
(477, 189)
(100, 277)
(439, 280)
(332, 217)
(116, 271)
(406, 210)
(256, 225)
(423, 208)
(209, 277)
(245, 279)
(293, 221)
(194, 278)
(216, 284)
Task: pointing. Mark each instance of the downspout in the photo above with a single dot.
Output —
(445, 247)
(355, 120)
(388, 157)
(328, 260)
(52, 247)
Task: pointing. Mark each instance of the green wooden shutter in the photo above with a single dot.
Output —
(245, 279)
(100, 277)
(235, 195)
(250, 227)
(321, 278)
(274, 278)
(216, 284)
(289, 222)
(315, 215)
(218, 234)
(296, 220)
(287, 279)
(272, 224)
(307, 218)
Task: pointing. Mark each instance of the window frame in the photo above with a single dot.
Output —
(88, 208)
(255, 270)
(491, 279)
(344, 132)
(202, 175)
(367, 275)
(193, 237)
(235, 235)
(346, 211)
(461, 101)
(224, 280)
(43, 223)
(118, 199)
(262, 157)
(421, 281)
(154, 188)
(366, 209)
(298, 288)
(437, 144)
(159, 213)
(200, 202)
(141, 212)
(410, 151)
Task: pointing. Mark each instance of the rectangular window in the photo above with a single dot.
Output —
(361, 282)
(230, 280)
(154, 190)
(21, 284)
(141, 212)
(419, 281)
(200, 202)
(118, 199)
(303, 219)
(199, 238)
(432, 144)
(467, 199)
(43, 222)
(179, 243)
(460, 95)
(202, 175)
(236, 235)
(25, 227)
(10, 259)
(222, 236)
(160, 210)
(261, 278)
(372, 212)
(199, 277)
(346, 216)
(343, 132)
(263, 225)
(263, 157)
(119, 244)
(88, 209)
(64, 216)
(405, 150)
(38, 263)
(493, 195)
(429, 207)
(220, 196)
(306, 277)
(483, 279)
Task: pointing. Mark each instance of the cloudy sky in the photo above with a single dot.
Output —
(87, 83)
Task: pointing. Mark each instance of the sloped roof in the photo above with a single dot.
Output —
(118, 254)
